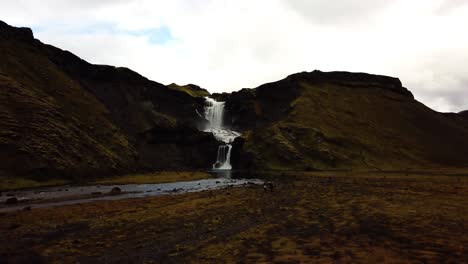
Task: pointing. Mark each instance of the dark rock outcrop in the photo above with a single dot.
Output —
(178, 148)
(9, 32)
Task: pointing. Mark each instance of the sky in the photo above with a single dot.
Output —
(224, 45)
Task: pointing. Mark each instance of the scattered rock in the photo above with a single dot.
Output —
(97, 193)
(115, 191)
(11, 200)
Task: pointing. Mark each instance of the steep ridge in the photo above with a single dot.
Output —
(62, 116)
(50, 125)
(323, 120)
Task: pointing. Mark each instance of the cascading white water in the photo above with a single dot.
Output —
(223, 159)
(214, 113)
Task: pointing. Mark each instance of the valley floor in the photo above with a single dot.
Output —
(307, 218)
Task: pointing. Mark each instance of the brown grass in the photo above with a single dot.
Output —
(309, 218)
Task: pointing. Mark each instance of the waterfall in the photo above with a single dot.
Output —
(214, 113)
(223, 159)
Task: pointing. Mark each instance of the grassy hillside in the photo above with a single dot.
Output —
(344, 120)
(50, 124)
(64, 117)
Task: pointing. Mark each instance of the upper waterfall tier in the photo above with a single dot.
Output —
(214, 112)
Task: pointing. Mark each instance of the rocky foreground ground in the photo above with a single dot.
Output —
(306, 218)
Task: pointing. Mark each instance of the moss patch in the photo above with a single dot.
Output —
(192, 90)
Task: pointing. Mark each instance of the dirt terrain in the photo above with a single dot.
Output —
(308, 217)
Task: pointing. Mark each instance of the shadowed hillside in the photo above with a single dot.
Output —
(62, 116)
(321, 120)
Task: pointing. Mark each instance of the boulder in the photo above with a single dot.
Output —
(11, 200)
(115, 191)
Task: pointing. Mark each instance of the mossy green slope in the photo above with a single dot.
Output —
(328, 120)
(191, 89)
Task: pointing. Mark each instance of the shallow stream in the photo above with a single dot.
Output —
(64, 195)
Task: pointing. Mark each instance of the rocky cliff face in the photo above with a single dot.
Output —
(62, 116)
(323, 120)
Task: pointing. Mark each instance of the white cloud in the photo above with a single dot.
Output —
(228, 45)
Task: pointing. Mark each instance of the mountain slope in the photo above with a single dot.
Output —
(50, 125)
(321, 120)
(64, 117)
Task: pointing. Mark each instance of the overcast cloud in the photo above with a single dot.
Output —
(228, 45)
